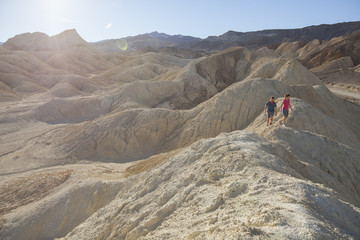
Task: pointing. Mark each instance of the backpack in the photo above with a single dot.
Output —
(273, 105)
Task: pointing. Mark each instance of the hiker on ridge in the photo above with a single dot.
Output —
(271, 110)
(285, 107)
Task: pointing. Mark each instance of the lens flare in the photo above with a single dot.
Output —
(122, 44)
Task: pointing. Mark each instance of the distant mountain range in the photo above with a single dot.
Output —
(252, 40)
(154, 40)
(180, 39)
(268, 37)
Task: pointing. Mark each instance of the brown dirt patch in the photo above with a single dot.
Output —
(2, 223)
(149, 163)
(25, 190)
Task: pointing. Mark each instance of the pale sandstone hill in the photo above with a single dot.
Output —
(131, 123)
(339, 72)
(332, 61)
(341, 77)
(50, 199)
(66, 51)
(59, 66)
(140, 119)
(234, 185)
(201, 177)
(237, 185)
(41, 42)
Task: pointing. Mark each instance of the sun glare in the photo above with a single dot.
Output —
(122, 44)
(54, 7)
(54, 12)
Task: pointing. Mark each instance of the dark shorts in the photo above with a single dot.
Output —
(270, 114)
(286, 112)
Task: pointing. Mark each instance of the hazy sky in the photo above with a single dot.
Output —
(104, 19)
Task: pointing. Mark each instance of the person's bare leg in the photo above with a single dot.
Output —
(267, 122)
(284, 119)
(271, 120)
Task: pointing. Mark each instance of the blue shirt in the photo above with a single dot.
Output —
(271, 106)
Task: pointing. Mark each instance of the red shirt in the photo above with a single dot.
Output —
(286, 103)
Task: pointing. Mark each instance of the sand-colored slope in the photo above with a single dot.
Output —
(236, 185)
(240, 185)
(66, 51)
(333, 61)
(131, 123)
(260, 185)
(306, 117)
(59, 66)
(46, 202)
(308, 133)
(40, 41)
(137, 133)
(341, 77)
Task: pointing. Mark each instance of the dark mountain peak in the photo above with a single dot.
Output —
(167, 37)
(232, 33)
(156, 34)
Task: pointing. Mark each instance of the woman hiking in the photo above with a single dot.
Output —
(285, 107)
(271, 108)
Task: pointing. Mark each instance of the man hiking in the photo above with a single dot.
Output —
(285, 107)
(271, 109)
